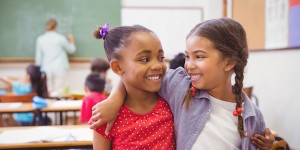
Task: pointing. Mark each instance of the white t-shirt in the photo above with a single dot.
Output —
(220, 131)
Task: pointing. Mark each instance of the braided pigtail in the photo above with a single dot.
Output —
(237, 91)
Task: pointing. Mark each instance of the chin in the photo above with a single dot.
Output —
(154, 89)
(198, 86)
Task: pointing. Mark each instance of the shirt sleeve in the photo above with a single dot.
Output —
(101, 130)
(70, 48)
(169, 82)
(262, 124)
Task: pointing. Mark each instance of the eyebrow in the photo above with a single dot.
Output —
(197, 51)
(149, 51)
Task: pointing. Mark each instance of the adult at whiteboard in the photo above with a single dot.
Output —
(52, 51)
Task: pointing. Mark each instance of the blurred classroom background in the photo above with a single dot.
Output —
(272, 28)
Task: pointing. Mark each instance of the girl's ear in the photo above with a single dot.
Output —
(115, 67)
(86, 90)
(229, 64)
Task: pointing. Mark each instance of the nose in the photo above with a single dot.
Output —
(189, 64)
(157, 65)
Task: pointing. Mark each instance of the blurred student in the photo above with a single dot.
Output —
(51, 54)
(177, 61)
(101, 66)
(33, 82)
(94, 86)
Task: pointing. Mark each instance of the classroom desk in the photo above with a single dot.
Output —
(52, 106)
(85, 140)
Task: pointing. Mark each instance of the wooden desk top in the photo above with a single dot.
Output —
(24, 107)
(66, 105)
(40, 145)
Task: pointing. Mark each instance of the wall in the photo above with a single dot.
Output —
(212, 8)
(182, 17)
(275, 76)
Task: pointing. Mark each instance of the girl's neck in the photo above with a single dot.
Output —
(139, 101)
(223, 93)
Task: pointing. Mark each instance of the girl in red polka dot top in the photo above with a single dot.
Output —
(144, 120)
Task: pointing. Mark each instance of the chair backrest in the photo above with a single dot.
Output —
(248, 91)
(279, 145)
(76, 96)
(17, 98)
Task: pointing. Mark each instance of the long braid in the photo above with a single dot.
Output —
(237, 91)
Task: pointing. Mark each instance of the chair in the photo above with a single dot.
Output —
(76, 96)
(248, 91)
(27, 98)
(280, 145)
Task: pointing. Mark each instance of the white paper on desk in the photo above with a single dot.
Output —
(37, 134)
(67, 103)
(10, 105)
(82, 134)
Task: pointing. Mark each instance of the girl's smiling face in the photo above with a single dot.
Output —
(204, 63)
(142, 62)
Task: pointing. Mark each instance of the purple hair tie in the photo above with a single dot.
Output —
(104, 30)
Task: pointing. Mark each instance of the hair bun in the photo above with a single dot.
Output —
(96, 33)
(101, 32)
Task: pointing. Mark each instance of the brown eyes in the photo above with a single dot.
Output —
(144, 60)
(147, 59)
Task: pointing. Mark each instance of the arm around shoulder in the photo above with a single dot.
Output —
(107, 110)
(172, 78)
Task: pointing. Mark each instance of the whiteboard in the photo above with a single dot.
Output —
(171, 25)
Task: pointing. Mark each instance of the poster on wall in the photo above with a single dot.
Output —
(277, 24)
(294, 24)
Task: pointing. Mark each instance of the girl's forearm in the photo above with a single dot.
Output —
(6, 81)
(118, 94)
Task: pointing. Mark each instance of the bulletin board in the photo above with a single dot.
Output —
(269, 24)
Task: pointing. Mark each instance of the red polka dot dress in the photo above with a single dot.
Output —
(132, 131)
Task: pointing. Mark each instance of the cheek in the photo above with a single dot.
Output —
(164, 67)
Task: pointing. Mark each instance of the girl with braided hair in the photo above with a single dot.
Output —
(210, 112)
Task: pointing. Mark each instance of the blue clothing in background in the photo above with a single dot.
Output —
(20, 88)
(2, 92)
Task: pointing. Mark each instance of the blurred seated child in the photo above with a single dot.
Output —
(177, 61)
(94, 86)
(33, 82)
(101, 66)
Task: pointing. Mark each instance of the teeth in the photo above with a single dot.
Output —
(153, 77)
(193, 77)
